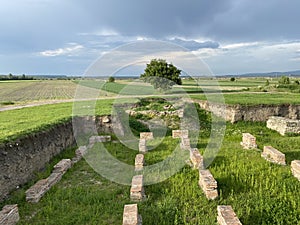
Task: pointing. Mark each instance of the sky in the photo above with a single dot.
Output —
(230, 36)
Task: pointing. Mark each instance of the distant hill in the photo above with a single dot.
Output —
(272, 74)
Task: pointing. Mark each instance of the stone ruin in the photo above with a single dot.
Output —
(283, 125)
(95, 139)
(62, 166)
(248, 141)
(185, 143)
(131, 216)
(273, 155)
(180, 133)
(196, 159)
(208, 184)
(226, 216)
(79, 153)
(9, 215)
(295, 167)
(143, 145)
(37, 191)
(139, 162)
(137, 192)
(146, 135)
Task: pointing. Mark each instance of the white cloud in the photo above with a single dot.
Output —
(240, 45)
(72, 50)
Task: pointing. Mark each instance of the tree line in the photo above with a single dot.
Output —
(16, 77)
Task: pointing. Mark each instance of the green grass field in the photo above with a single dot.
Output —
(19, 122)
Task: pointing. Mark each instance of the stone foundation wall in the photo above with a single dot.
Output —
(137, 192)
(131, 215)
(9, 215)
(226, 216)
(139, 162)
(208, 184)
(37, 191)
(295, 167)
(234, 113)
(283, 125)
(273, 155)
(248, 141)
(21, 159)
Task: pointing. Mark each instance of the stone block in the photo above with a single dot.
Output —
(95, 139)
(62, 166)
(54, 178)
(196, 159)
(79, 153)
(283, 125)
(226, 216)
(36, 192)
(208, 184)
(185, 143)
(273, 155)
(295, 167)
(139, 162)
(146, 135)
(143, 145)
(9, 215)
(180, 133)
(131, 216)
(248, 141)
(137, 192)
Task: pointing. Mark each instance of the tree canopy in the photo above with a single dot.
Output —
(161, 75)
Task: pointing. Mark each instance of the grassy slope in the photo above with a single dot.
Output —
(257, 98)
(15, 123)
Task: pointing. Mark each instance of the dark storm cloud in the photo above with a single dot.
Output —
(247, 20)
(155, 18)
(54, 28)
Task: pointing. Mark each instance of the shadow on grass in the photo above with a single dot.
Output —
(290, 156)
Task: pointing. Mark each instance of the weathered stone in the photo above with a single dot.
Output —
(185, 143)
(295, 167)
(79, 153)
(208, 184)
(95, 139)
(146, 135)
(36, 192)
(180, 133)
(105, 119)
(131, 216)
(226, 216)
(283, 125)
(273, 155)
(196, 158)
(143, 145)
(234, 113)
(137, 192)
(248, 141)
(54, 178)
(62, 166)
(139, 162)
(9, 215)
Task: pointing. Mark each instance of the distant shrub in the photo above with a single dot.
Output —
(284, 80)
(232, 79)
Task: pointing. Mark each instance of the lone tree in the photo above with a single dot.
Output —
(161, 75)
(111, 79)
